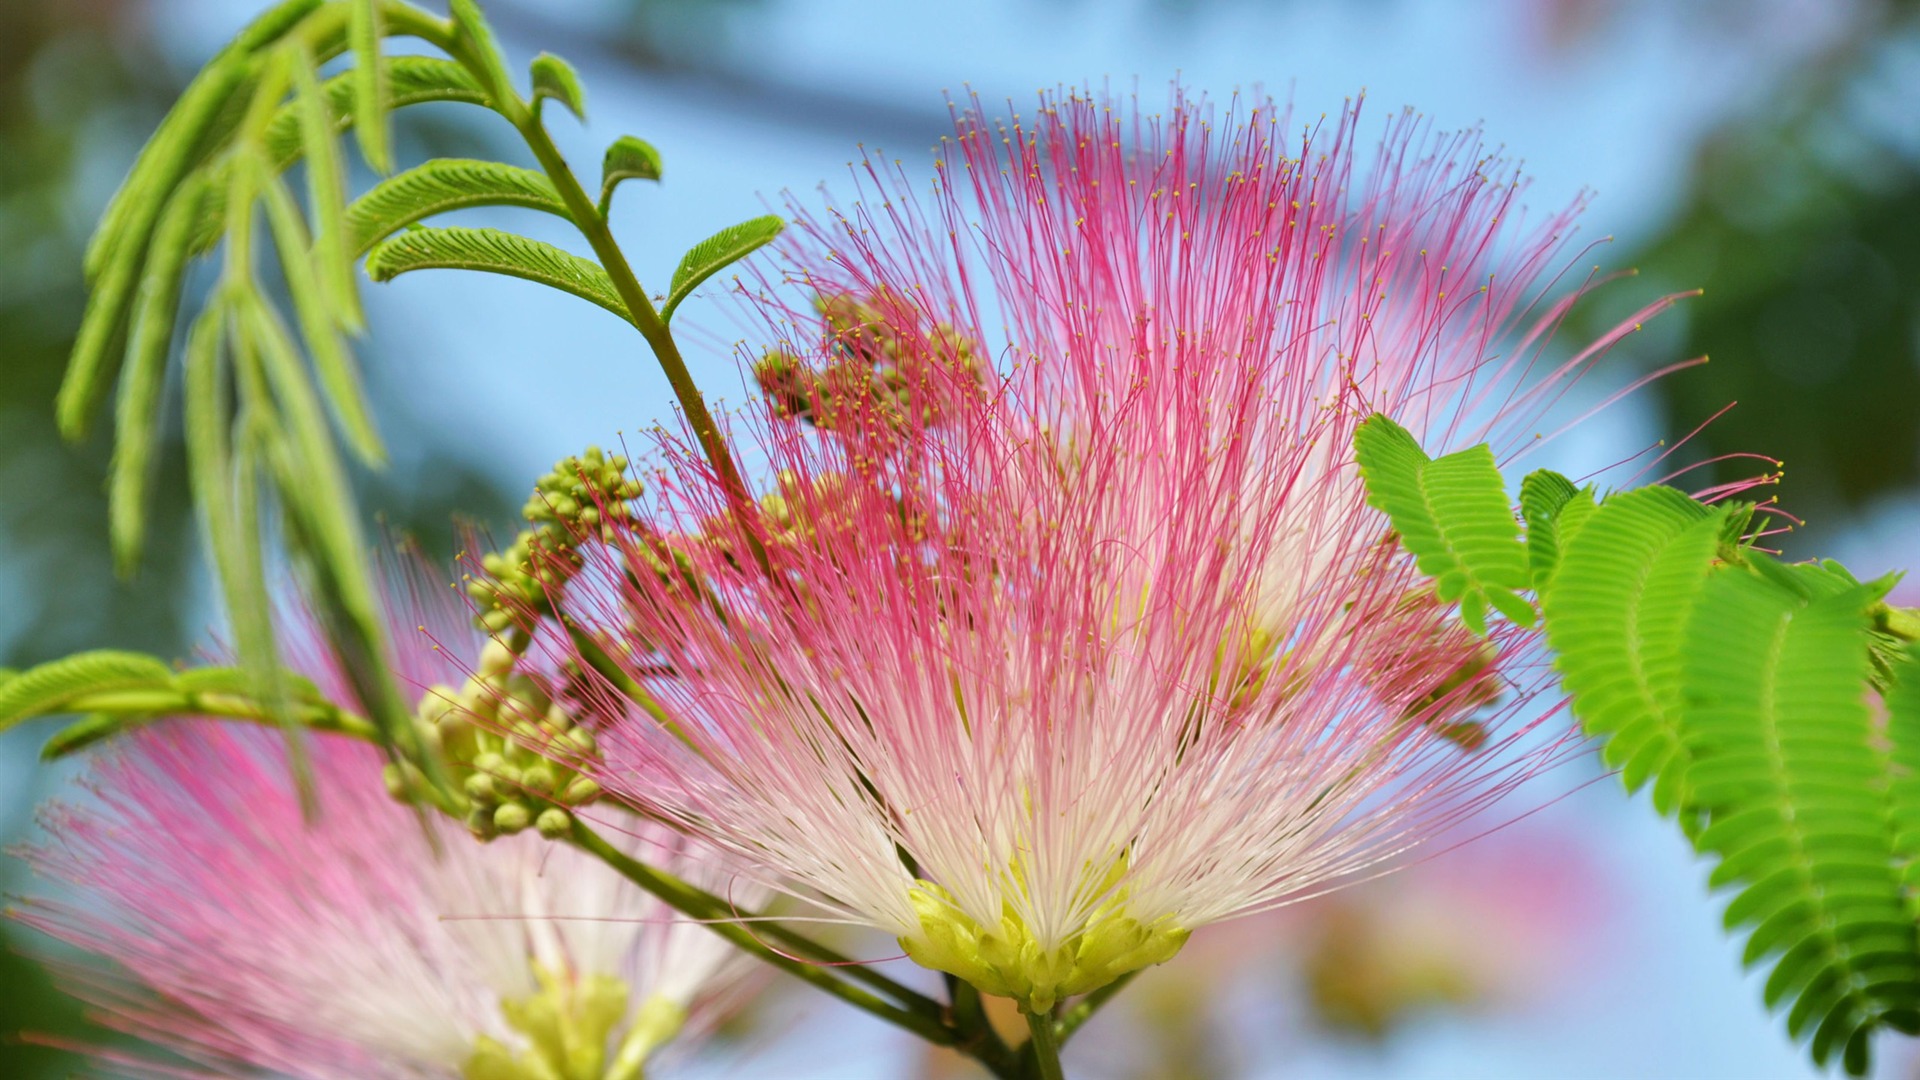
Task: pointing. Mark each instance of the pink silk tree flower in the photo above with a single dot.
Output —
(373, 941)
(1065, 627)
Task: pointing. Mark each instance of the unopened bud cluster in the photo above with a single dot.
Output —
(503, 741)
(582, 496)
(879, 368)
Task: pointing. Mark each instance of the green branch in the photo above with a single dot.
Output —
(923, 1016)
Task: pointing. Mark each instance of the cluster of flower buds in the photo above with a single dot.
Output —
(503, 738)
(584, 495)
(505, 743)
(884, 371)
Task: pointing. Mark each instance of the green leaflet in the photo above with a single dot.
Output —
(137, 407)
(555, 78)
(87, 731)
(441, 185)
(412, 80)
(1615, 613)
(331, 358)
(716, 253)
(630, 158)
(1543, 494)
(369, 79)
(223, 692)
(495, 252)
(168, 153)
(473, 37)
(1903, 733)
(124, 250)
(1452, 516)
(326, 199)
(1785, 762)
(44, 689)
(118, 248)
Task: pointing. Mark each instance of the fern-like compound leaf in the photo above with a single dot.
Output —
(412, 80)
(495, 252)
(716, 253)
(43, 690)
(442, 185)
(1616, 611)
(1452, 516)
(1788, 765)
(555, 78)
(170, 152)
(628, 158)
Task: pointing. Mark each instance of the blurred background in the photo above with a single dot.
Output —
(1767, 151)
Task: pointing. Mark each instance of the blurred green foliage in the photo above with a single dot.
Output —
(81, 87)
(1801, 220)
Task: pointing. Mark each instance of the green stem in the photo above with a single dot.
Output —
(1044, 1047)
(922, 1016)
(328, 718)
(594, 227)
(977, 1036)
(1084, 1009)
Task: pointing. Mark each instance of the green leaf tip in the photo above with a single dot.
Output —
(45, 689)
(628, 158)
(371, 96)
(716, 253)
(555, 78)
(474, 36)
(496, 252)
(442, 185)
(1452, 516)
(1543, 494)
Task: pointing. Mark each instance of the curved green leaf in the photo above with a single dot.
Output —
(1452, 516)
(169, 152)
(1903, 735)
(369, 78)
(1543, 494)
(627, 159)
(473, 37)
(494, 252)
(716, 253)
(1786, 762)
(326, 200)
(87, 731)
(1616, 611)
(137, 406)
(555, 78)
(441, 185)
(42, 690)
(331, 358)
(412, 80)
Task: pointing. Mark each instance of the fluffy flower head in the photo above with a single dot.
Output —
(371, 942)
(1068, 628)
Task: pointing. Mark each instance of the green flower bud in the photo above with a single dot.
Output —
(554, 823)
(513, 817)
